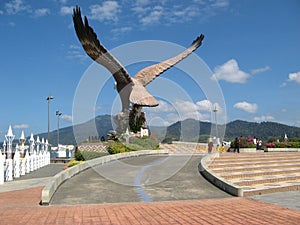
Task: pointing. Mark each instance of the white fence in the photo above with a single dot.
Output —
(16, 167)
(23, 159)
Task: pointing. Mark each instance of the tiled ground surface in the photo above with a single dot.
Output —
(21, 207)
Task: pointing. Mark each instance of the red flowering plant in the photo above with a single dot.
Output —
(270, 145)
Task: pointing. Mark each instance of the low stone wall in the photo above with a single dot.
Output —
(59, 178)
(247, 150)
(193, 145)
(282, 150)
(216, 180)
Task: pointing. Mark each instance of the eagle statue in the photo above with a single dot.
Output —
(131, 90)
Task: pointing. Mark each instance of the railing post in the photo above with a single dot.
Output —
(2, 159)
(23, 166)
(16, 163)
(9, 170)
(27, 162)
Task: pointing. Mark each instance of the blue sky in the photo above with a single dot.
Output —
(251, 47)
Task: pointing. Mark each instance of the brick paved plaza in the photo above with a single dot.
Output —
(21, 207)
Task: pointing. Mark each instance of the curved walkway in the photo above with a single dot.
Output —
(21, 207)
(132, 186)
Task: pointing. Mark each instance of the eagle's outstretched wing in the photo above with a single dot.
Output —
(146, 75)
(97, 51)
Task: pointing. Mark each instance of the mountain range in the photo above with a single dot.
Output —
(187, 130)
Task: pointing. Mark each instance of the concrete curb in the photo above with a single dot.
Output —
(61, 177)
(216, 180)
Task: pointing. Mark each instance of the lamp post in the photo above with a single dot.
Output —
(215, 110)
(58, 113)
(49, 98)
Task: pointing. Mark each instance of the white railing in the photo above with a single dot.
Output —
(19, 166)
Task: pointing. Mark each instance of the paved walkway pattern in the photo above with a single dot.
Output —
(22, 207)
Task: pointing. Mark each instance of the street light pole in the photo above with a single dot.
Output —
(58, 113)
(49, 98)
(215, 110)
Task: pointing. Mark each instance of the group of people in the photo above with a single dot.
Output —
(236, 145)
(258, 143)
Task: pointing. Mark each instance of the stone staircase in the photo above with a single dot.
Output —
(259, 173)
(183, 148)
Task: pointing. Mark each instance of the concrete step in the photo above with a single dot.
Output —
(242, 175)
(257, 155)
(255, 168)
(259, 173)
(266, 180)
(258, 159)
(221, 164)
(271, 188)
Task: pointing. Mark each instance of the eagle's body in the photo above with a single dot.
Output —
(132, 90)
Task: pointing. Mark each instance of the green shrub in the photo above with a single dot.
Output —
(134, 147)
(135, 144)
(288, 144)
(92, 155)
(244, 143)
(78, 156)
(295, 145)
(145, 142)
(115, 147)
(85, 155)
(73, 162)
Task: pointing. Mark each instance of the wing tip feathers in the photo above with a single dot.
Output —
(196, 43)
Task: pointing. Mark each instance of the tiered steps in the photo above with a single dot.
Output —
(259, 173)
(182, 148)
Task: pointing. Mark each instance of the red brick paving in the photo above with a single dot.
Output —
(21, 207)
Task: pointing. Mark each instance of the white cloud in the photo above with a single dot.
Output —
(41, 12)
(67, 117)
(21, 126)
(1, 12)
(142, 2)
(153, 17)
(220, 3)
(16, 6)
(122, 30)
(263, 118)
(260, 70)
(66, 10)
(204, 105)
(75, 52)
(230, 72)
(163, 107)
(294, 77)
(163, 12)
(246, 106)
(109, 10)
(180, 110)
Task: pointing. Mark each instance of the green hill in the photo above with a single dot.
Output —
(263, 130)
(187, 130)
